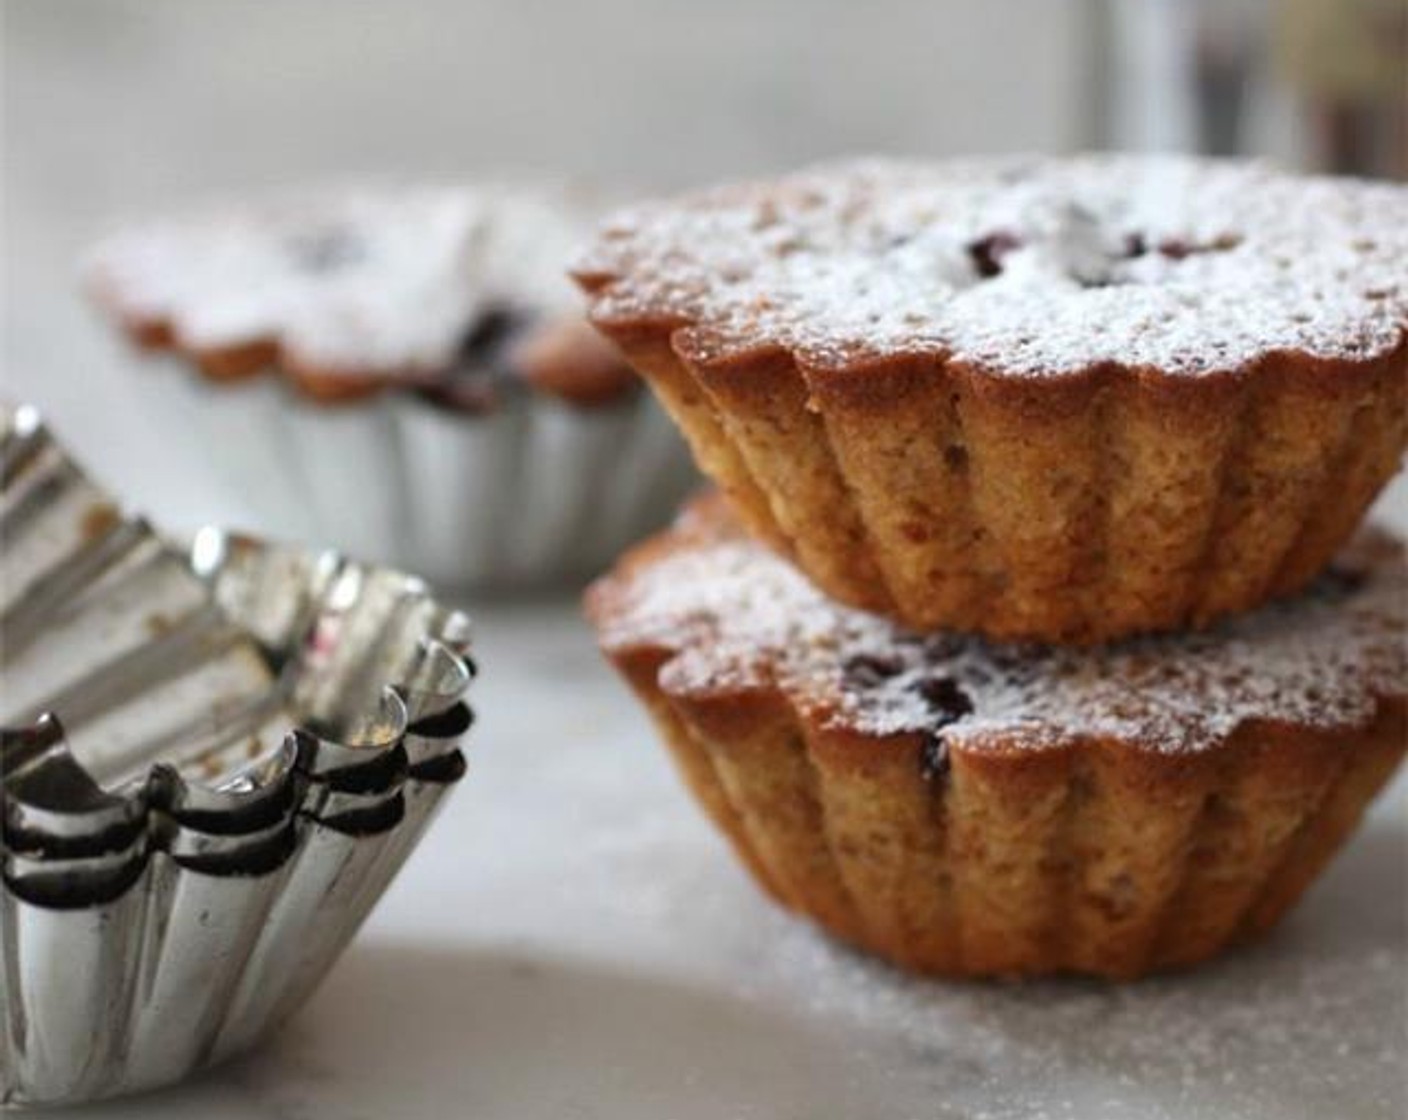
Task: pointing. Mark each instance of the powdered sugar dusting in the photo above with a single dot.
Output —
(1306, 1026)
(354, 280)
(1033, 266)
(734, 615)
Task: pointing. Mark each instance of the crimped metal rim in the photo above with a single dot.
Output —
(286, 722)
(54, 808)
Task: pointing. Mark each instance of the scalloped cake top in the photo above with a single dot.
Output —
(735, 616)
(375, 279)
(1020, 265)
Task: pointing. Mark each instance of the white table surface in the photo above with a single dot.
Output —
(572, 940)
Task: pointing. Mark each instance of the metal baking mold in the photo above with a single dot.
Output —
(215, 760)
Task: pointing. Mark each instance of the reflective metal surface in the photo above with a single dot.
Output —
(214, 762)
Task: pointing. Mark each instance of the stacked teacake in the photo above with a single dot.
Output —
(1034, 628)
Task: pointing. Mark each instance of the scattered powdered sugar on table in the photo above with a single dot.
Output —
(1026, 265)
(379, 280)
(735, 615)
(1292, 1028)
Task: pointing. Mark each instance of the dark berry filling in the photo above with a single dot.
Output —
(948, 700)
(482, 372)
(950, 704)
(869, 669)
(987, 252)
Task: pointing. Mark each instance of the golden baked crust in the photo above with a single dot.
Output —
(966, 809)
(1124, 417)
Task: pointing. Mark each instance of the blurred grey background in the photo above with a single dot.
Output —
(115, 108)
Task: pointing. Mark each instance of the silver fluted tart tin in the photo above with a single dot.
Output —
(532, 492)
(216, 759)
